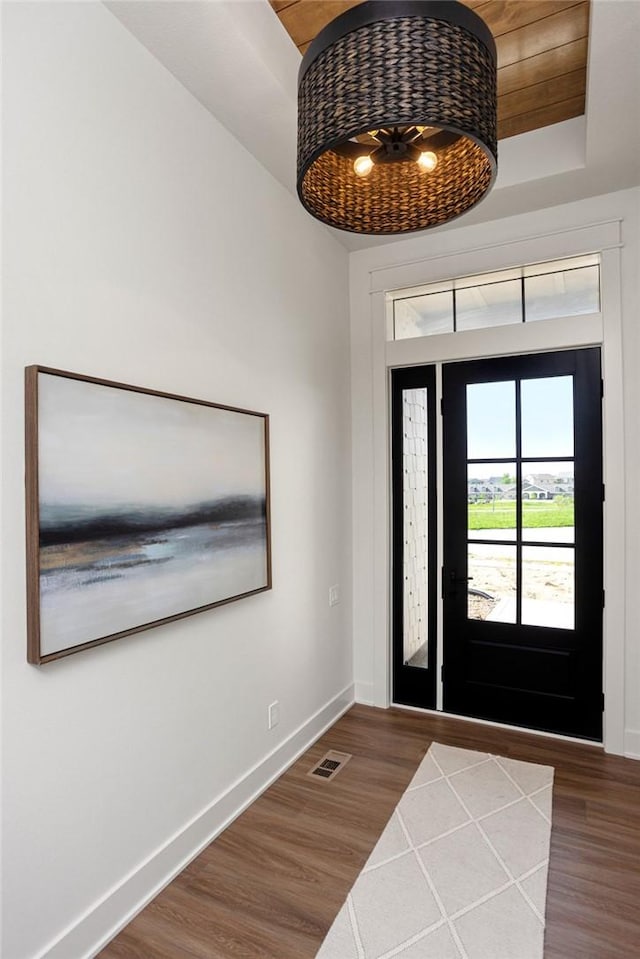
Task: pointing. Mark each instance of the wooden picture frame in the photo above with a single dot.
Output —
(142, 507)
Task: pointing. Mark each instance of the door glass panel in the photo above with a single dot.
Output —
(547, 416)
(491, 499)
(491, 420)
(493, 304)
(548, 586)
(416, 526)
(492, 586)
(547, 502)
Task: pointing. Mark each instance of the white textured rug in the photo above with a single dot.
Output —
(460, 871)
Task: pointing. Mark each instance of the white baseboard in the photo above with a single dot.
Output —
(632, 744)
(91, 931)
(364, 693)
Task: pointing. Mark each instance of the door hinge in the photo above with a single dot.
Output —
(603, 599)
(601, 389)
(603, 702)
(603, 492)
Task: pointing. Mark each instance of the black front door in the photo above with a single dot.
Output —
(522, 576)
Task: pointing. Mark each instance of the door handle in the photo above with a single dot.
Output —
(458, 580)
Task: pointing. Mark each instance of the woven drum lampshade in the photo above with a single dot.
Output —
(397, 116)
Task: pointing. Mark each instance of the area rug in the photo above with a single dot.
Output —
(460, 871)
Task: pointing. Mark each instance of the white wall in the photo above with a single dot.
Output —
(474, 249)
(143, 244)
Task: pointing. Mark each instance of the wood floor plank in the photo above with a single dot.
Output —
(270, 886)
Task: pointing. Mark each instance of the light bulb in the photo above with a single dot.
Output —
(363, 166)
(427, 161)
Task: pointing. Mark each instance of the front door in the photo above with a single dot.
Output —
(522, 538)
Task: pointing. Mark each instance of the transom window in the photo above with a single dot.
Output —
(543, 291)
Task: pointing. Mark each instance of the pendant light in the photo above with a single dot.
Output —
(397, 116)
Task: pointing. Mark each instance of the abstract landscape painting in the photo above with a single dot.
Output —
(142, 507)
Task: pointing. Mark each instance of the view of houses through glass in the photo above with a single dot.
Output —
(520, 495)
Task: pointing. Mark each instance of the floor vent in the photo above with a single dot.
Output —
(330, 765)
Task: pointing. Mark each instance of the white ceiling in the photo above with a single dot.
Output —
(236, 59)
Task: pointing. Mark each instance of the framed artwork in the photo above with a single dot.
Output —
(142, 507)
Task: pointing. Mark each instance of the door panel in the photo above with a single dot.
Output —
(414, 541)
(522, 579)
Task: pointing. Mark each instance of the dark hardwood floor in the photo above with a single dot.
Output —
(270, 886)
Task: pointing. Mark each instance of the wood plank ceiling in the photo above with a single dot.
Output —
(542, 53)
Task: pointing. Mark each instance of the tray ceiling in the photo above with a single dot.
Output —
(542, 53)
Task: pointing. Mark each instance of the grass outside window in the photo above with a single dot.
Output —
(500, 514)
